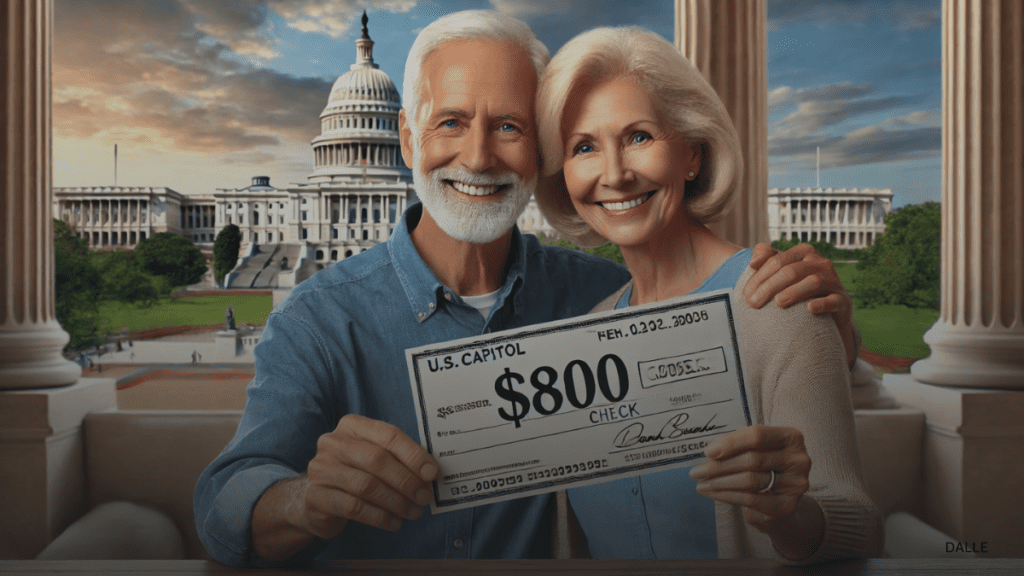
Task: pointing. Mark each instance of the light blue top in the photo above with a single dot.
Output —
(657, 515)
(337, 346)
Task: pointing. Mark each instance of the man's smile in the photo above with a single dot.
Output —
(476, 190)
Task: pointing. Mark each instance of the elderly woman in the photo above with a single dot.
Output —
(640, 151)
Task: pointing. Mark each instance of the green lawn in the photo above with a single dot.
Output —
(890, 329)
(193, 310)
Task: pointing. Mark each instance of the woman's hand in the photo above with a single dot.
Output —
(800, 274)
(739, 470)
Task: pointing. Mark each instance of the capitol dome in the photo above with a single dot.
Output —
(364, 83)
(359, 126)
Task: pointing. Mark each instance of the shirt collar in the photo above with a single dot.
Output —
(422, 288)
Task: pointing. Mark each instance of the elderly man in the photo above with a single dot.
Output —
(325, 460)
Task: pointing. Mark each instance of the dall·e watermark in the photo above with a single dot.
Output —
(976, 547)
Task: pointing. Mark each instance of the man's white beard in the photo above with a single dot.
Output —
(473, 222)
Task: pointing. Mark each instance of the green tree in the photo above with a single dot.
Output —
(225, 251)
(124, 279)
(173, 257)
(77, 287)
(903, 265)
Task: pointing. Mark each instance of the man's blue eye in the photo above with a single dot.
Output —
(450, 123)
(506, 127)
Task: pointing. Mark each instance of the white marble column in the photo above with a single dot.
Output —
(42, 400)
(971, 388)
(978, 340)
(31, 340)
(727, 41)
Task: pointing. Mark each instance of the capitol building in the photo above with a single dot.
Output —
(358, 189)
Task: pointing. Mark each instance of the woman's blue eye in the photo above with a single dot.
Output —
(506, 127)
(584, 149)
(640, 138)
(450, 123)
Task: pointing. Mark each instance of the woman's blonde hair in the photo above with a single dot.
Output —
(681, 96)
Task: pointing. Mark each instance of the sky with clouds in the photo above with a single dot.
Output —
(205, 94)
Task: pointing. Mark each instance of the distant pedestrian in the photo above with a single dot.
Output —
(195, 356)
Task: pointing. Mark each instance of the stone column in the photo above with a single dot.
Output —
(727, 41)
(31, 340)
(42, 487)
(978, 340)
(971, 388)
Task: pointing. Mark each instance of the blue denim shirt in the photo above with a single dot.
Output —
(337, 346)
(659, 515)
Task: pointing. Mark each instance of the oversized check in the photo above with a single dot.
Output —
(579, 401)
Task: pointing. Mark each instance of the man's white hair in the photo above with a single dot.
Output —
(465, 25)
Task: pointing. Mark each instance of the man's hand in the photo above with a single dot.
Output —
(799, 274)
(365, 470)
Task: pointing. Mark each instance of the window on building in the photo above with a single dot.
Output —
(363, 214)
(352, 215)
(334, 233)
(334, 255)
(142, 236)
(229, 219)
(352, 234)
(270, 237)
(303, 200)
(303, 214)
(376, 215)
(281, 218)
(255, 218)
(366, 234)
(303, 233)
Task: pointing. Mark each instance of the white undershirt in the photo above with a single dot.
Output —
(483, 302)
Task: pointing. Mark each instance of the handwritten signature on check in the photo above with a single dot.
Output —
(634, 433)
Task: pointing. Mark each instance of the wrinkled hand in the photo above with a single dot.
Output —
(367, 471)
(795, 275)
(799, 274)
(739, 464)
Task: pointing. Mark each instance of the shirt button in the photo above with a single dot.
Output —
(431, 305)
(448, 296)
(422, 315)
(458, 543)
(635, 491)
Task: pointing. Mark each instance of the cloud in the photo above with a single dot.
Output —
(907, 14)
(837, 91)
(521, 8)
(779, 96)
(172, 75)
(929, 117)
(331, 17)
(815, 115)
(866, 145)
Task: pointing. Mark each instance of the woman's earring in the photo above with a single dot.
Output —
(691, 175)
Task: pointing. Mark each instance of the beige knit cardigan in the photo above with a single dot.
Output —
(796, 368)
